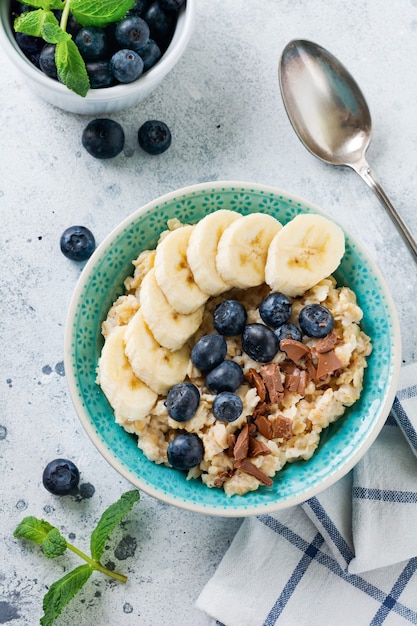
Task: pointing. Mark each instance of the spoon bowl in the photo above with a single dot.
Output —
(330, 115)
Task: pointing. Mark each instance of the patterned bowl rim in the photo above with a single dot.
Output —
(234, 508)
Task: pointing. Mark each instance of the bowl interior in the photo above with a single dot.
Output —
(342, 444)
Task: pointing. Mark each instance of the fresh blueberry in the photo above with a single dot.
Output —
(185, 451)
(275, 309)
(30, 46)
(139, 7)
(100, 74)
(61, 477)
(103, 138)
(316, 320)
(149, 54)
(154, 137)
(208, 352)
(260, 342)
(182, 401)
(73, 27)
(77, 243)
(288, 331)
(126, 65)
(132, 33)
(227, 376)
(227, 406)
(161, 24)
(47, 60)
(92, 43)
(171, 5)
(229, 318)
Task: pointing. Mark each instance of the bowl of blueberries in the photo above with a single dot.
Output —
(103, 282)
(96, 62)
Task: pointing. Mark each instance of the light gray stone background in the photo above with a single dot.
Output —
(223, 105)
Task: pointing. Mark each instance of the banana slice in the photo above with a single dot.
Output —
(202, 250)
(243, 248)
(170, 329)
(129, 397)
(173, 274)
(158, 367)
(306, 250)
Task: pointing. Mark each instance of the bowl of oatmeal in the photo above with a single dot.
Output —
(230, 350)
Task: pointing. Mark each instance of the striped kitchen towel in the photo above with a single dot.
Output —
(347, 557)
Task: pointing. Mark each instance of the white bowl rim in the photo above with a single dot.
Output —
(107, 94)
(136, 480)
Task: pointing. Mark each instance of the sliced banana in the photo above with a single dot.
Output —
(170, 328)
(243, 248)
(306, 250)
(202, 250)
(158, 367)
(131, 399)
(174, 275)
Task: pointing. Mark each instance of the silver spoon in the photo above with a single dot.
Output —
(330, 115)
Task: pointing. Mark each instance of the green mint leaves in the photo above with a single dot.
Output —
(43, 23)
(54, 544)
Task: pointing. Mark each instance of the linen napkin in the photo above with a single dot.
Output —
(347, 556)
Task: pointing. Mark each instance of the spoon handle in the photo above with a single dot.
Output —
(366, 173)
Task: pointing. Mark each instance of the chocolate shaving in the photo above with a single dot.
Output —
(271, 376)
(219, 480)
(327, 363)
(254, 378)
(302, 383)
(241, 449)
(264, 426)
(327, 343)
(231, 441)
(261, 409)
(282, 427)
(295, 350)
(249, 468)
(292, 381)
(257, 448)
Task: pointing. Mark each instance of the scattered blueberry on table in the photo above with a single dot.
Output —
(154, 137)
(61, 477)
(77, 243)
(103, 138)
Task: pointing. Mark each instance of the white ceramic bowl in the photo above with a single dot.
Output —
(97, 101)
(342, 443)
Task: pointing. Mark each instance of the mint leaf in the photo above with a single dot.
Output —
(100, 12)
(53, 33)
(71, 67)
(32, 22)
(54, 544)
(109, 520)
(33, 529)
(62, 591)
(44, 4)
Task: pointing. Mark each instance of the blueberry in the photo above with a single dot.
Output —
(103, 138)
(208, 352)
(161, 24)
(126, 65)
(28, 44)
(288, 331)
(47, 60)
(227, 406)
(139, 7)
(185, 451)
(260, 342)
(182, 401)
(229, 318)
(61, 477)
(149, 54)
(227, 376)
(92, 43)
(132, 33)
(275, 309)
(100, 74)
(77, 243)
(154, 137)
(316, 321)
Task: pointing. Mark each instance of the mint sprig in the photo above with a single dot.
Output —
(43, 23)
(54, 544)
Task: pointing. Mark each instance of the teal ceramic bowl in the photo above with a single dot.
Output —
(342, 444)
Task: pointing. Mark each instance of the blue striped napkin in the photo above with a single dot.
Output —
(347, 556)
